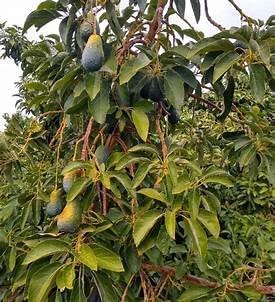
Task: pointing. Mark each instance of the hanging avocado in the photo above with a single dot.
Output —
(153, 89)
(68, 180)
(87, 27)
(93, 55)
(174, 116)
(56, 203)
(70, 218)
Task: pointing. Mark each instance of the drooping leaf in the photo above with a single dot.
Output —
(196, 9)
(228, 97)
(174, 88)
(144, 224)
(101, 103)
(194, 203)
(46, 248)
(257, 81)
(141, 173)
(197, 234)
(92, 83)
(75, 165)
(193, 293)
(170, 223)
(105, 287)
(141, 123)
(210, 221)
(180, 5)
(224, 62)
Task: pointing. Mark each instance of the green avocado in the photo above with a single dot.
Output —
(68, 180)
(86, 30)
(93, 54)
(153, 89)
(70, 218)
(56, 203)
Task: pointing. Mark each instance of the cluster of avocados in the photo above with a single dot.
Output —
(93, 54)
(68, 214)
(154, 91)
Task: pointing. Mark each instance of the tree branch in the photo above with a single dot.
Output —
(209, 17)
(263, 289)
(86, 139)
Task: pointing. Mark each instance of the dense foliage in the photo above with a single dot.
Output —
(147, 175)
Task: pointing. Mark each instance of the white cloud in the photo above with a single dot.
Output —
(15, 13)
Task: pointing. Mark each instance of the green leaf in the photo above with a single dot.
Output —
(39, 18)
(228, 97)
(144, 224)
(197, 234)
(132, 66)
(187, 75)
(128, 159)
(65, 277)
(224, 62)
(248, 153)
(251, 292)
(12, 259)
(141, 123)
(153, 193)
(123, 179)
(77, 188)
(42, 281)
(105, 288)
(180, 5)
(142, 4)
(75, 165)
(219, 176)
(194, 203)
(174, 88)
(87, 256)
(210, 45)
(210, 221)
(141, 173)
(100, 105)
(112, 17)
(144, 148)
(170, 223)
(92, 84)
(182, 185)
(46, 248)
(193, 293)
(107, 259)
(62, 84)
(257, 81)
(196, 9)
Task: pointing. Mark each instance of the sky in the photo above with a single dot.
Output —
(220, 10)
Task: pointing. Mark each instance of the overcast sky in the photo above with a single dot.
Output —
(15, 13)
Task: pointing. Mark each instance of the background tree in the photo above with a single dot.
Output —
(106, 193)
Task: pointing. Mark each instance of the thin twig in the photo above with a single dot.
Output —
(86, 139)
(240, 11)
(126, 288)
(221, 28)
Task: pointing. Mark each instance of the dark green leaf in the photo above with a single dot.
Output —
(196, 9)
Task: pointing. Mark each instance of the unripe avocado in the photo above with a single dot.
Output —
(56, 203)
(70, 218)
(86, 29)
(174, 116)
(93, 55)
(153, 89)
(68, 180)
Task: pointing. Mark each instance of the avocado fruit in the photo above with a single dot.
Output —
(86, 29)
(153, 89)
(93, 54)
(56, 203)
(173, 116)
(68, 180)
(70, 218)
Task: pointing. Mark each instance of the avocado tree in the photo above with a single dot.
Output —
(144, 168)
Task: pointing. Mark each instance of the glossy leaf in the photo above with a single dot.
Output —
(144, 224)
(77, 188)
(210, 221)
(257, 81)
(152, 193)
(86, 255)
(224, 62)
(141, 123)
(170, 223)
(196, 9)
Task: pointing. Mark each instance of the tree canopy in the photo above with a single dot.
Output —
(142, 166)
